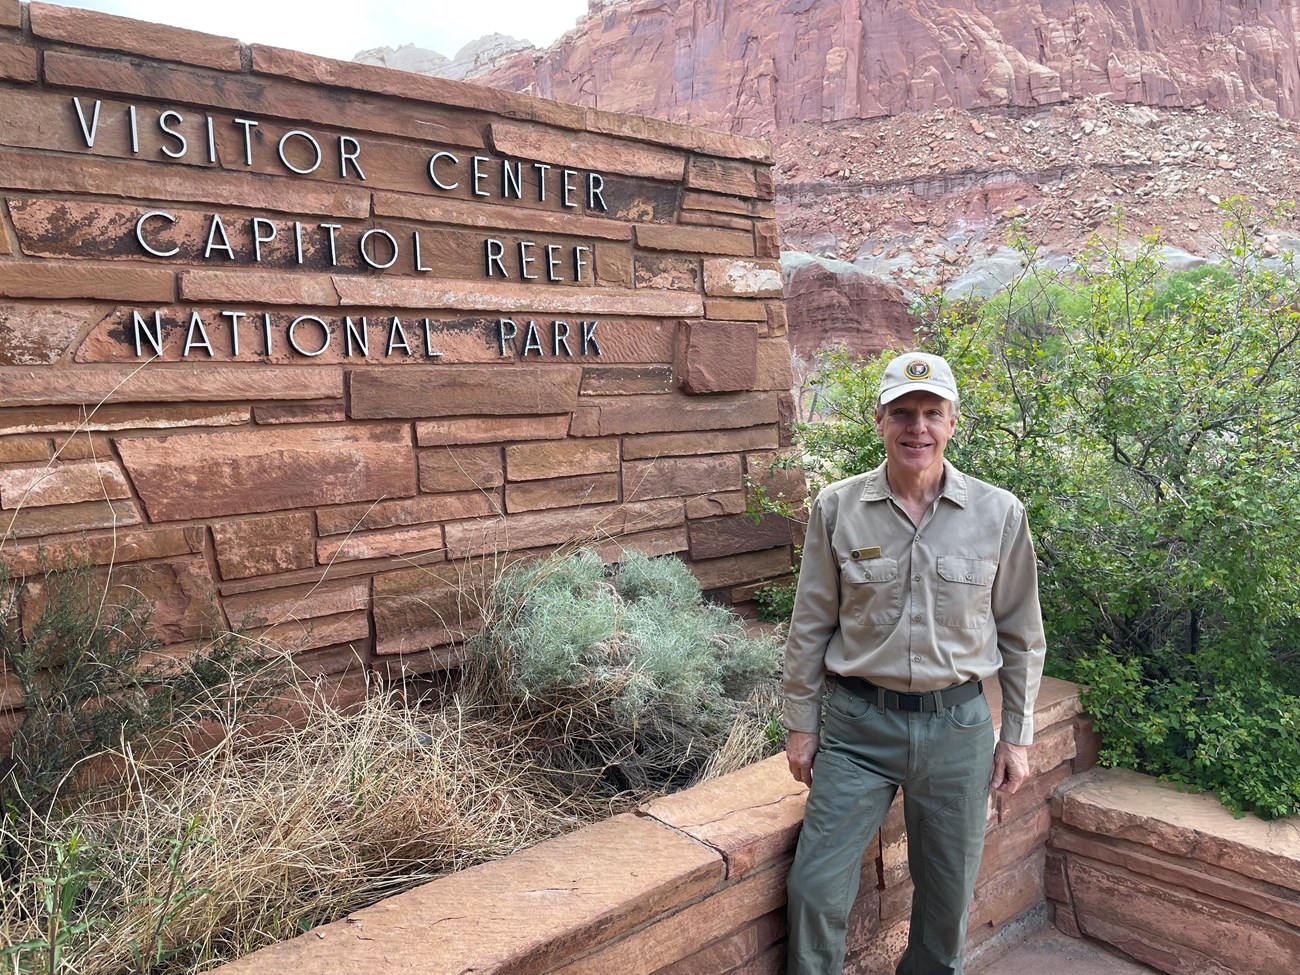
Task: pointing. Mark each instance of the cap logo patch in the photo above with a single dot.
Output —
(917, 369)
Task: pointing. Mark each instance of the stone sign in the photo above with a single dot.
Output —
(302, 346)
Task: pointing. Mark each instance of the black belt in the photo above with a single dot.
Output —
(949, 697)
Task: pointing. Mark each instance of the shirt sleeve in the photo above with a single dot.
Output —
(812, 624)
(1019, 620)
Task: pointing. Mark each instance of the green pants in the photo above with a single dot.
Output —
(942, 760)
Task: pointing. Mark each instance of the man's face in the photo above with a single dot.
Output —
(916, 428)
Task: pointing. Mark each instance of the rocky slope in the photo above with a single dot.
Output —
(911, 136)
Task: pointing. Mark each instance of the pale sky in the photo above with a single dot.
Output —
(339, 29)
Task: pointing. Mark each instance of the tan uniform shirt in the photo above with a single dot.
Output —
(917, 608)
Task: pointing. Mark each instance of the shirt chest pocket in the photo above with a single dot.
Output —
(871, 591)
(965, 591)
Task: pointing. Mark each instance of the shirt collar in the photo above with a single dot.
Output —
(875, 486)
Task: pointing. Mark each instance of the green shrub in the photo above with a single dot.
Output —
(623, 678)
(1150, 422)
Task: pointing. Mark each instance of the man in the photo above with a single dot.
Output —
(918, 583)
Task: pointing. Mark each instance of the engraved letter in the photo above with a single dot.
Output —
(495, 251)
(578, 262)
(589, 337)
(397, 337)
(357, 335)
(595, 188)
(311, 141)
(334, 256)
(87, 131)
(392, 243)
(346, 142)
(569, 187)
(139, 233)
(433, 173)
(479, 175)
(248, 125)
(259, 239)
(293, 338)
(162, 124)
(541, 181)
(560, 338)
(512, 180)
(196, 326)
(532, 340)
(552, 262)
(154, 337)
(419, 261)
(214, 228)
(234, 317)
(524, 260)
(504, 337)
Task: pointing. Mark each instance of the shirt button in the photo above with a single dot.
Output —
(916, 619)
(917, 658)
(916, 537)
(916, 578)
(970, 576)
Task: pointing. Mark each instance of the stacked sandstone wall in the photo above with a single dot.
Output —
(303, 346)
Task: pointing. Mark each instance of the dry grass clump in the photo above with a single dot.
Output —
(184, 867)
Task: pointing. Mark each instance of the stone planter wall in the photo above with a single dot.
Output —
(1172, 879)
(691, 884)
(302, 346)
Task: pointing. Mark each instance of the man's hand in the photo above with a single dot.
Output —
(1010, 766)
(800, 750)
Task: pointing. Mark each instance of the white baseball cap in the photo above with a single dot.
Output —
(913, 371)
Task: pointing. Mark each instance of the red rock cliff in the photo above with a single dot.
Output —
(754, 66)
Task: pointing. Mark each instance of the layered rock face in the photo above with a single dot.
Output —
(754, 66)
(914, 137)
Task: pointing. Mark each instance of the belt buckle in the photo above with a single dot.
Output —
(909, 702)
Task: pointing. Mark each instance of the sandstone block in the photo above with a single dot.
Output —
(1006, 845)
(1129, 806)
(764, 183)
(715, 442)
(771, 475)
(767, 240)
(716, 357)
(626, 380)
(546, 528)
(11, 13)
(31, 279)
(300, 413)
(274, 606)
(181, 383)
(736, 954)
(262, 98)
(652, 544)
(777, 320)
(419, 391)
(403, 84)
(272, 288)
(16, 450)
(209, 474)
(1006, 895)
(379, 544)
(84, 446)
(661, 272)
(140, 180)
(548, 459)
(614, 266)
(736, 569)
(512, 299)
(1184, 930)
(706, 218)
(562, 492)
(87, 516)
(431, 606)
(717, 203)
(1058, 700)
(533, 911)
(490, 429)
(713, 505)
(680, 476)
(677, 413)
(759, 830)
(421, 510)
(775, 365)
(735, 309)
(704, 240)
(596, 153)
(1033, 795)
(677, 937)
(71, 422)
(297, 637)
(673, 134)
(718, 537)
(446, 470)
(1087, 744)
(18, 63)
(56, 483)
(742, 279)
(103, 549)
(263, 546)
(76, 26)
(476, 214)
(721, 176)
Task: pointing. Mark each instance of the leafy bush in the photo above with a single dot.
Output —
(1150, 422)
(622, 678)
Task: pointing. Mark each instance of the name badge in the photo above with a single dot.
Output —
(865, 552)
